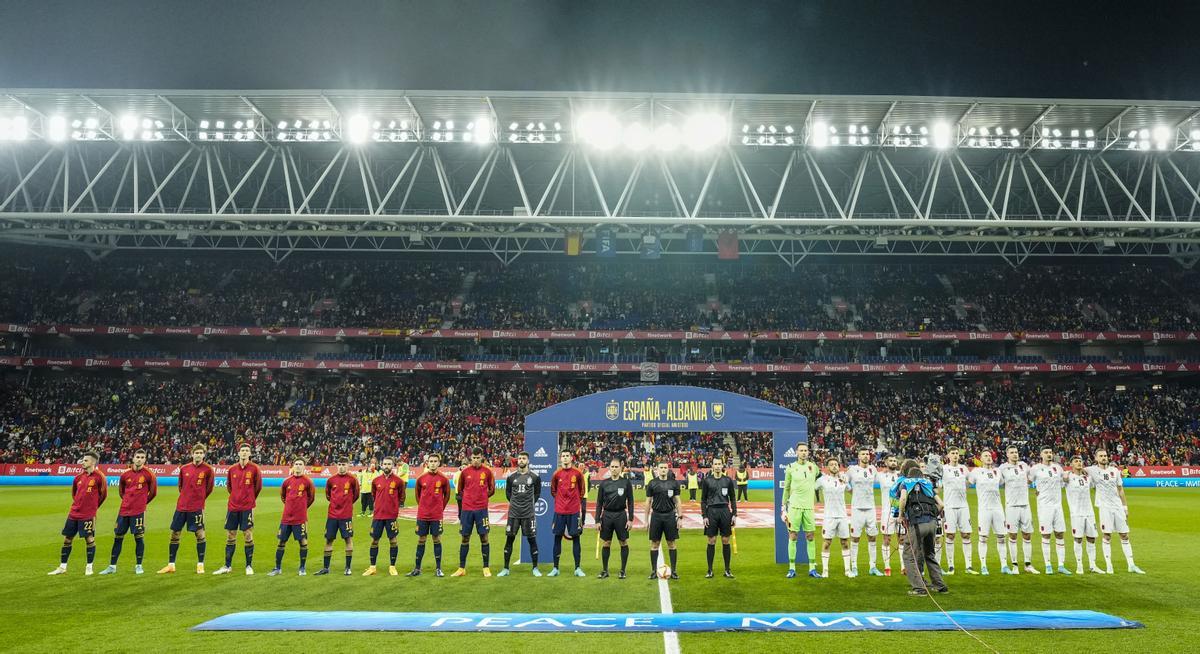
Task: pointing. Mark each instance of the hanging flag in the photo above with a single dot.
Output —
(727, 245)
(695, 240)
(651, 247)
(573, 243)
(606, 243)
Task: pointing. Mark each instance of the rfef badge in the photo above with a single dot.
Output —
(612, 410)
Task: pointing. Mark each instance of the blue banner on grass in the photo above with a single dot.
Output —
(658, 622)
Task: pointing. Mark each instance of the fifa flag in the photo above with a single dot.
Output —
(573, 243)
(651, 247)
(727, 245)
(606, 243)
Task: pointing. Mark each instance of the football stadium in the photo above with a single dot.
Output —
(303, 370)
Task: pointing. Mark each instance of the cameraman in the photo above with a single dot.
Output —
(921, 513)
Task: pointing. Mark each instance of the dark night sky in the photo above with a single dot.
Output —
(1149, 49)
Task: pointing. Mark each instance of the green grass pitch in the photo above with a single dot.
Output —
(154, 613)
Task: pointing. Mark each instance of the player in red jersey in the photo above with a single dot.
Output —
(297, 494)
(88, 492)
(244, 481)
(341, 490)
(389, 490)
(137, 487)
(195, 485)
(433, 494)
(476, 486)
(568, 489)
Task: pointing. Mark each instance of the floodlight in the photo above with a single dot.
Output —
(356, 128)
(703, 131)
(636, 137)
(481, 130)
(820, 135)
(666, 137)
(57, 128)
(941, 136)
(128, 127)
(598, 129)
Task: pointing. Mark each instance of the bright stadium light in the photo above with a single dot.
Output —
(598, 129)
(481, 130)
(820, 135)
(666, 137)
(1162, 134)
(941, 136)
(56, 129)
(356, 128)
(129, 125)
(636, 137)
(703, 131)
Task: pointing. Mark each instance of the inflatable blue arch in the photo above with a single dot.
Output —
(661, 409)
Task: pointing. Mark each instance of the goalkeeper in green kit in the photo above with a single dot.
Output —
(799, 497)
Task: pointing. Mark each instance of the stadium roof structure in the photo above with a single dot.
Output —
(511, 173)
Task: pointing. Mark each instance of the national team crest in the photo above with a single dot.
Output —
(718, 410)
(611, 410)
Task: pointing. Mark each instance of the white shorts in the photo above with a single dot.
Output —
(1050, 519)
(991, 521)
(1018, 518)
(835, 527)
(1083, 525)
(890, 525)
(958, 520)
(1113, 520)
(863, 519)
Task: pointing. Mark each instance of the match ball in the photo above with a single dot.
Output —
(664, 571)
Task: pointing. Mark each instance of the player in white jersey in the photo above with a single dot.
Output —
(987, 482)
(1083, 515)
(1047, 478)
(1017, 515)
(1114, 510)
(834, 521)
(958, 513)
(861, 478)
(885, 477)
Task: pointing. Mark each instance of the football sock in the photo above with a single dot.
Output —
(437, 554)
(577, 549)
(625, 557)
(557, 548)
(654, 559)
(725, 551)
(1106, 548)
(462, 555)
(172, 550)
(712, 550)
(1060, 548)
(279, 556)
(1046, 551)
(604, 554)
(139, 548)
(671, 553)
(533, 551)
(249, 554)
(229, 547)
(303, 555)
(116, 550)
(486, 550)
(200, 547)
(66, 554)
(508, 543)
(393, 552)
(420, 555)
(1127, 549)
(91, 554)
(374, 554)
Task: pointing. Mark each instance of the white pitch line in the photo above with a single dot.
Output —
(670, 638)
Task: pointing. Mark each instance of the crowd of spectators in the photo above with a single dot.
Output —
(755, 296)
(54, 418)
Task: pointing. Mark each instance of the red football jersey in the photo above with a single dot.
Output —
(195, 485)
(136, 488)
(297, 493)
(87, 494)
(342, 492)
(245, 483)
(566, 487)
(477, 487)
(389, 494)
(433, 493)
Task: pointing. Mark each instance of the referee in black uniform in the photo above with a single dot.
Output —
(663, 516)
(614, 513)
(718, 504)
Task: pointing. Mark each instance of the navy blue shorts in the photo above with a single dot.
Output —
(131, 523)
(474, 520)
(429, 527)
(239, 520)
(334, 526)
(288, 531)
(379, 526)
(193, 519)
(85, 528)
(567, 523)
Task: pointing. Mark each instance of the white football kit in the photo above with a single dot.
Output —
(954, 496)
(1017, 515)
(1108, 500)
(1079, 501)
(862, 500)
(1048, 481)
(834, 522)
(987, 487)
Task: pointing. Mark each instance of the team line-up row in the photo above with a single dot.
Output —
(383, 492)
